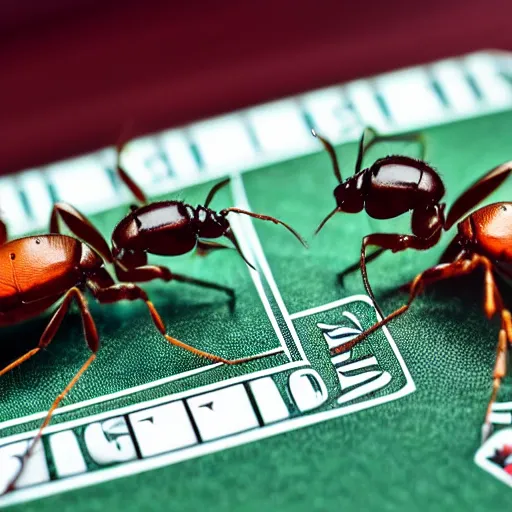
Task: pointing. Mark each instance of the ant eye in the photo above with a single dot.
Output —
(12, 255)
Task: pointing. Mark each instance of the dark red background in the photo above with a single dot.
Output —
(72, 73)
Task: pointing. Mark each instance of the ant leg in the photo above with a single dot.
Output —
(376, 138)
(152, 272)
(356, 266)
(395, 243)
(129, 291)
(80, 226)
(453, 251)
(205, 247)
(477, 192)
(493, 303)
(123, 176)
(332, 155)
(429, 276)
(92, 339)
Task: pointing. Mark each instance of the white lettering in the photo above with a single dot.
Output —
(162, 429)
(109, 441)
(67, 455)
(35, 470)
(308, 389)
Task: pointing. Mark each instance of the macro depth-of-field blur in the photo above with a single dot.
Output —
(410, 398)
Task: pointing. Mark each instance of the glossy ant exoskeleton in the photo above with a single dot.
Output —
(391, 186)
(171, 228)
(484, 238)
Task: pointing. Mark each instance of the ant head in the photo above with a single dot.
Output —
(348, 196)
(349, 199)
(210, 223)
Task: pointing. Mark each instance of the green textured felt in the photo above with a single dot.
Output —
(413, 453)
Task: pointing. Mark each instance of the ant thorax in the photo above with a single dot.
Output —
(210, 223)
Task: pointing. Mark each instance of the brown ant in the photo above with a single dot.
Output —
(393, 185)
(167, 228)
(484, 238)
(171, 228)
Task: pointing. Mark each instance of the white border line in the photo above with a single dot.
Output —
(242, 201)
(237, 225)
(332, 305)
(140, 466)
(256, 278)
(149, 403)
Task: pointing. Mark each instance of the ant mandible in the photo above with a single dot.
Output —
(484, 240)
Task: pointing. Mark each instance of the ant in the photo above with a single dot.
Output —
(168, 228)
(171, 228)
(483, 240)
(390, 187)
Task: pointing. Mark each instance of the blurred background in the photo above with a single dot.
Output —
(73, 73)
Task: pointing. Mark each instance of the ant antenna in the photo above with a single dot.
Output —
(265, 217)
(134, 188)
(328, 147)
(322, 224)
(214, 190)
(231, 236)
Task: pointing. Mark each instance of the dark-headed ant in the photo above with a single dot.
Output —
(393, 185)
(171, 228)
(484, 238)
(168, 228)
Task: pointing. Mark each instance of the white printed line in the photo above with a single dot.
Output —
(238, 228)
(242, 202)
(137, 389)
(501, 418)
(144, 465)
(357, 365)
(331, 305)
(502, 406)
